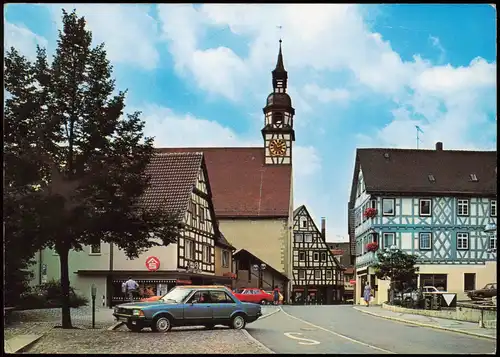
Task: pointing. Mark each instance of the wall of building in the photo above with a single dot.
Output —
(82, 260)
(267, 239)
(219, 269)
(455, 275)
(267, 280)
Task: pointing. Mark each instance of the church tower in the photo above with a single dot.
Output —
(278, 133)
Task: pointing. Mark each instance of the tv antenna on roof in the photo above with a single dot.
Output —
(418, 131)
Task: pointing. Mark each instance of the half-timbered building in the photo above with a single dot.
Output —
(433, 203)
(179, 184)
(317, 275)
(252, 186)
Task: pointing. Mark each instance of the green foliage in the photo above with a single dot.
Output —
(396, 265)
(49, 295)
(74, 164)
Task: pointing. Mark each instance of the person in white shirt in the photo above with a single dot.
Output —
(130, 288)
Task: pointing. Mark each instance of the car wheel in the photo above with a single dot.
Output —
(263, 302)
(238, 322)
(209, 326)
(161, 324)
(134, 328)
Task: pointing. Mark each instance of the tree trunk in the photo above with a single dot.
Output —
(66, 313)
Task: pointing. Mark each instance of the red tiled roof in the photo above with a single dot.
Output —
(173, 176)
(242, 185)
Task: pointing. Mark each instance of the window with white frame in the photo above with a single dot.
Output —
(225, 259)
(317, 274)
(462, 241)
(463, 207)
(329, 274)
(303, 222)
(308, 237)
(95, 248)
(315, 256)
(302, 274)
(425, 207)
(323, 256)
(493, 208)
(189, 249)
(388, 239)
(206, 253)
(302, 256)
(299, 237)
(388, 206)
(493, 242)
(425, 241)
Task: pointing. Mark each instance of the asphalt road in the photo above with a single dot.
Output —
(342, 329)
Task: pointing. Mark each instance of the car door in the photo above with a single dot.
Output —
(254, 296)
(222, 305)
(198, 309)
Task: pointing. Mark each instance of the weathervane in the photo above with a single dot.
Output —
(279, 28)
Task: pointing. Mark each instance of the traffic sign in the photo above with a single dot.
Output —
(153, 263)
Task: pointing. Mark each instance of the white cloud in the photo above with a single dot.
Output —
(129, 32)
(326, 95)
(22, 39)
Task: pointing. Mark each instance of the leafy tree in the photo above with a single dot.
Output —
(77, 164)
(398, 266)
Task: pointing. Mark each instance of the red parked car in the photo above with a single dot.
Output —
(257, 296)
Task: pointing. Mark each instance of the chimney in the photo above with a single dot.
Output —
(439, 146)
(323, 227)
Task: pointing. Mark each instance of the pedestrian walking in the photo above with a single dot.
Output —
(131, 287)
(367, 293)
(276, 296)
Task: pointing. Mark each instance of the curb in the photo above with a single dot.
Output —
(251, 338)
(269, 314)
(115, 326)
(8, 350)
(427, 325)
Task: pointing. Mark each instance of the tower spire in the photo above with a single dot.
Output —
(280, 75)
(279, 65)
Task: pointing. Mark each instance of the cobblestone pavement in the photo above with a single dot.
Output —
(192, 340)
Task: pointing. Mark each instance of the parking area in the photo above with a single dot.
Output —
(193, 340)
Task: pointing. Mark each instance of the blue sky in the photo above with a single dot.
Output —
(359, 76)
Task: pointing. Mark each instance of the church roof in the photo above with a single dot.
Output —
(242, 184)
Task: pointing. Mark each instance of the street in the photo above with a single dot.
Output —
(342, 329)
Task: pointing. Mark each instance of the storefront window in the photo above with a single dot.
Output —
(437, 280)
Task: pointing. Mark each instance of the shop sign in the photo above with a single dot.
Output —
(353, 282)
(230, 275)
(187, 282)
(152, 263)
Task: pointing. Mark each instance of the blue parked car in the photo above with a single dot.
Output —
(189, 306)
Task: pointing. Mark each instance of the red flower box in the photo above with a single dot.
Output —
(372, 247)
(230, 275)
(370, 212)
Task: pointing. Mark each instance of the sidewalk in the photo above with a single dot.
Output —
(468, 328)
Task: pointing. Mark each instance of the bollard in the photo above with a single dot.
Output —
(94, 293)
(481, 320)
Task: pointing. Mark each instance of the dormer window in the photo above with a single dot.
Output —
(473, 177)
(431, 178)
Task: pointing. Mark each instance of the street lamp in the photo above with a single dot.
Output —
(260, 268)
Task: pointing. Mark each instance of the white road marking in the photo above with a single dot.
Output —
(309, 341)
(338, 334)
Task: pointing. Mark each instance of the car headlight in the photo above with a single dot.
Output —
(137, 313)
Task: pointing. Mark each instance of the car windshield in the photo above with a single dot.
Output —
(176, 295)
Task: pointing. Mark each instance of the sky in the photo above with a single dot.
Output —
(358, 75)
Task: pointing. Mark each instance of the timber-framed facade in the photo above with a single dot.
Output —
(317, 275)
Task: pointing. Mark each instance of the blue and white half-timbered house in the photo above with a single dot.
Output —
(433, 203)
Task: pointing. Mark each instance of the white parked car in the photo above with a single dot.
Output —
(432, 289)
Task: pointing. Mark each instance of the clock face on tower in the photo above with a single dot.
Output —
(277, 147)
